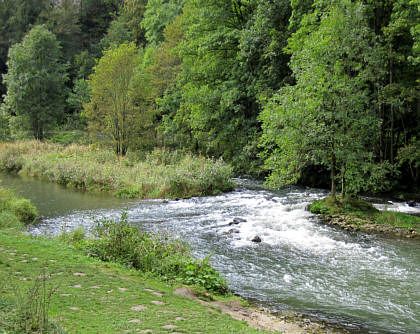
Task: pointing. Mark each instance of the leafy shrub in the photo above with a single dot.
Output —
(169, 258)
(15, 211)
(24, 210)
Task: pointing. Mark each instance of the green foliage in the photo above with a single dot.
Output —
(36, 81)
(15, 211)
(111, 110)
(354, 207)
(158, 15)
(326, 118)
(119, 241)
(399, 219)
(346, 205)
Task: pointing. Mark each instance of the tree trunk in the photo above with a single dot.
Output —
(333, 173)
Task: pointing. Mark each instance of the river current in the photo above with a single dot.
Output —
(368, 283)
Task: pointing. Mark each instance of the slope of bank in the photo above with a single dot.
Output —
(357, 215)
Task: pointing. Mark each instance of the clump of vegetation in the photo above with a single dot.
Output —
(28, 311)
(15, 211)
(346, 205)
(159, 174)
(159, 254)
(354, 207)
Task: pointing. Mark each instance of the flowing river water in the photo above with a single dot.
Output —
(368, 283)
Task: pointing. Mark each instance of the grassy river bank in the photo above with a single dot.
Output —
(159, 174)
(357, 215)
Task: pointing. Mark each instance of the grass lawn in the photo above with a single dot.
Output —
(90, 296)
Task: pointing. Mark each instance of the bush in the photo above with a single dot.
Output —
(160, 254)
(15, 211)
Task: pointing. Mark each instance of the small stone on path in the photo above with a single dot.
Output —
(139, 308)
(95, 287)
(23, 278)
(179, 319)
(35, 259)
(136, 321)
(146, 331)
(158, 294)
(169, 327)
(77, 286)
(79, 274)
(156, 302)
(74, 308)
(149, 290)
(122, 289)
(65, 295)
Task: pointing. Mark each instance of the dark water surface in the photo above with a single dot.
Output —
(370, 283)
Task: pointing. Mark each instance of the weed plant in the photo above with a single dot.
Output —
(28, 311)
(156, 253)
(159, 174)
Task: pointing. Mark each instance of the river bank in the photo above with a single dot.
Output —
(51, 286)
(159, 174)
(357, 215)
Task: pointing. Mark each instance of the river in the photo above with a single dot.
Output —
(368, 283)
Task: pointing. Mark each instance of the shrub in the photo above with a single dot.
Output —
(15, 211)
(157, 253)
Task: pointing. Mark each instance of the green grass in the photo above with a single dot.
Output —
(361, 209)
(160, 174)
(52, 286)
(91, 296)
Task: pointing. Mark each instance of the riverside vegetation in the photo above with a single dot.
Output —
(160, 174)
(355, 214)
(50, 285)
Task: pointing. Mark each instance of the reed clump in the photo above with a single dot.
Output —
(159, 174)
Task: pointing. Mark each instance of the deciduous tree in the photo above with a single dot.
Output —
(36, 81)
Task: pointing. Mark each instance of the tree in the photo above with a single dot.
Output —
(159, 14)
(36, 81)
(112, 110)
(326, 118)
(16, 18)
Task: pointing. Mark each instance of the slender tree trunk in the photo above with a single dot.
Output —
(333, 174)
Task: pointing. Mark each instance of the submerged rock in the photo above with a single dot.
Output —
(237, 221)
(256, 239)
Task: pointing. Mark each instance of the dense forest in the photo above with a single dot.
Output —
(307, 91)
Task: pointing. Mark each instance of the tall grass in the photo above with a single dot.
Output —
(27, 312)
(160, 174)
